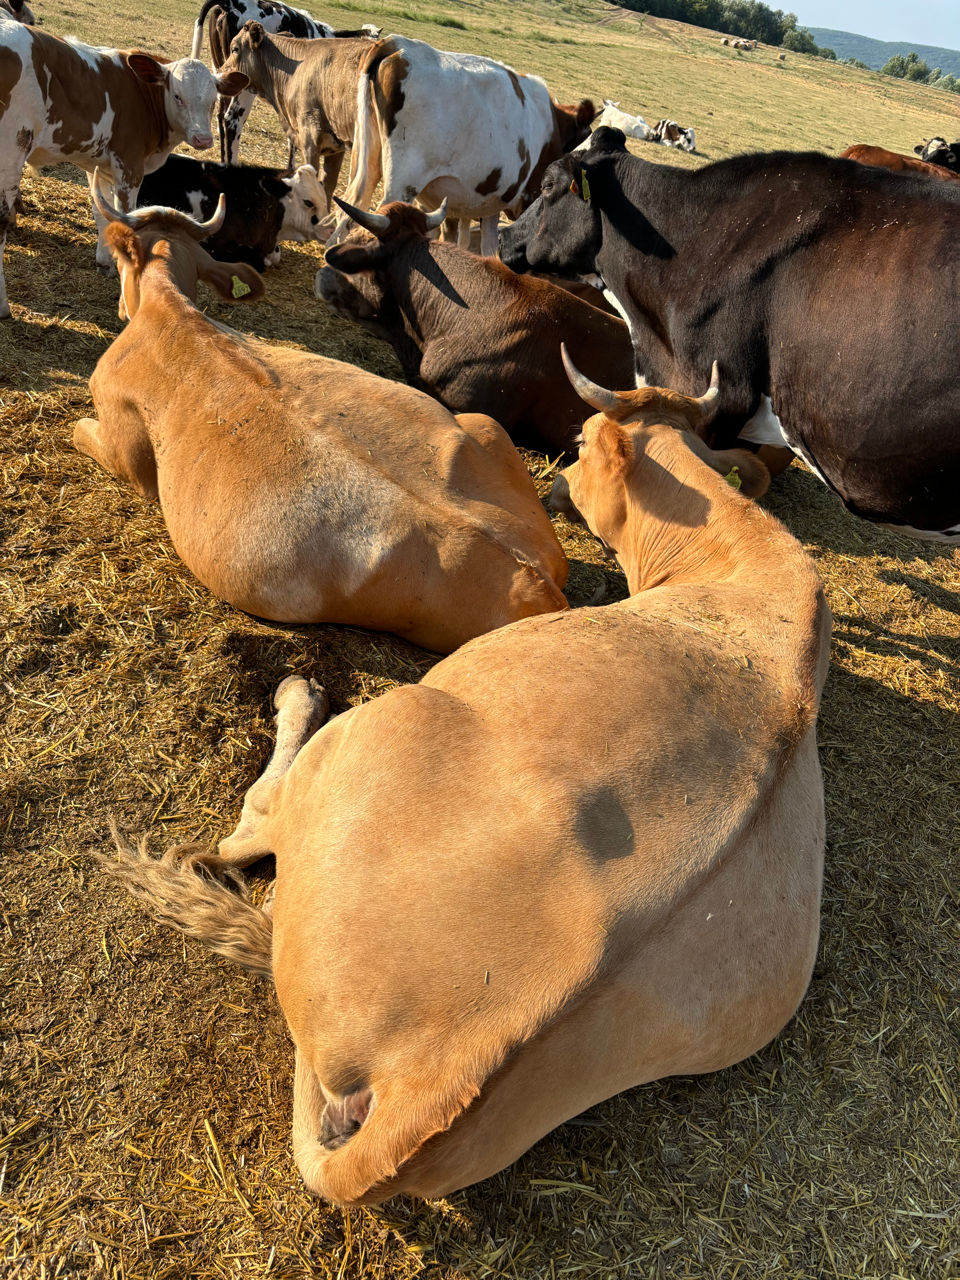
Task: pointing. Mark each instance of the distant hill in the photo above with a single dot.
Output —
(876, 52)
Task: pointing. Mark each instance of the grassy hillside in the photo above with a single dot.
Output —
(875, 53)
(145, 1089)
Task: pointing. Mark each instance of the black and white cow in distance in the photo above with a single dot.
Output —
(17, 10)
(939, 151)
(273, 17)
(121, 111)
(829, 293)
(264, 206)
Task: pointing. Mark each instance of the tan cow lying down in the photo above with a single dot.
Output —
(498, 902)
(298, 488)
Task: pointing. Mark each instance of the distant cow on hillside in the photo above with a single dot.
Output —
(632, 126)
(672, 134)
(939, 152)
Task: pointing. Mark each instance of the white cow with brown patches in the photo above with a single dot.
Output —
(457, 127)
(121, 111)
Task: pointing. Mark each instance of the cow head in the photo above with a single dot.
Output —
(18, 10)
(304, 205)
(939, 151)
(573, 123)
(602, 485)
(189, 93)
(561, 231)
(347, 282)
(246, 54)
(132, 238)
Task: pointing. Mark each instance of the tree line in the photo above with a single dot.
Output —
(912, 67)
(750, 19)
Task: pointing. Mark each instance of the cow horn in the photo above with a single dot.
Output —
(375, 223)
(215, 221)
(589, 392)
(434, 219)
(102, 204)
(708, 401)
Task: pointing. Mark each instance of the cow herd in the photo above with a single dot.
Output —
(498, 902)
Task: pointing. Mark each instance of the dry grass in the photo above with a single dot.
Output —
(145, 1089)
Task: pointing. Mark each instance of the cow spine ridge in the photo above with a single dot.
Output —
(189, 890)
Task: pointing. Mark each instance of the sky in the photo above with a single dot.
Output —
(934, 22)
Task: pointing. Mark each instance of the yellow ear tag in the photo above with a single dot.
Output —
(584, 185)
(240, 290)
(733, 478)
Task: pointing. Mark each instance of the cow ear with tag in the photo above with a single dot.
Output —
(234, 281)
(145, 68)
(254, 33)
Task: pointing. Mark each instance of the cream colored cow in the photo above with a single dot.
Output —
(583, 853)
(298, 488)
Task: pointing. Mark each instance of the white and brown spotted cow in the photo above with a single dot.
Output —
(457, 127)
(122, 111)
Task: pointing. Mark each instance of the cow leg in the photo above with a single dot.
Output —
(234, 117)
(302, 707)
(332, 164)
(463, 232)
(9, 190)
(489, 235)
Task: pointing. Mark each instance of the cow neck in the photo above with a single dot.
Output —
(424, 289)
(278, 66)
(686, 524)
(156, 134)
(166, 313)
(641, 206)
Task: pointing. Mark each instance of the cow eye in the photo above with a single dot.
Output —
(309, 204)
(177, 98)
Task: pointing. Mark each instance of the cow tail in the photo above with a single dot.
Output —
(189, 890)
(198, 27)
(366, 153)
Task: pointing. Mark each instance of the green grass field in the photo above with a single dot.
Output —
(145, 1088)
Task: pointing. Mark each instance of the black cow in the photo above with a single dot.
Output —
(274, 17)
(939, 151)
(827, 288)
(263, 205)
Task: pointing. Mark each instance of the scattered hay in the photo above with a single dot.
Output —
(145, 1088)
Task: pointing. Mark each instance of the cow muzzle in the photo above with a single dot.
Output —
(561, 501)
(200, 141)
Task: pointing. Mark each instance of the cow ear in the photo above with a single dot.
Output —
(255, 33)
(586, 113)
(351, 259)
(231, 84)
(16, 5)
(146, 68)
(919, 150)
(234, 281)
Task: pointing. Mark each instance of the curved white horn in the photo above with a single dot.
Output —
(215, 221)
(376, 223)
(589, 392)
(102, 204)
(711, 395)
(434, 219)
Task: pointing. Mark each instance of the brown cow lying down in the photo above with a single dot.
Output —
(468, 330)
(299, 488)
(909, 166)
(495, 906)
